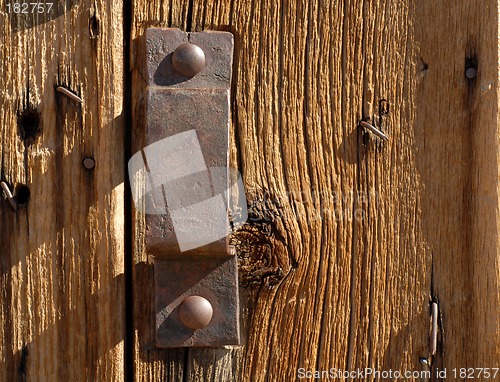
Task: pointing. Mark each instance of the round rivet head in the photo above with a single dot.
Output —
(188, 59)
(195, 312)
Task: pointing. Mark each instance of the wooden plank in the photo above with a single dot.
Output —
(61, 279)
(458, 145)
(349, 238)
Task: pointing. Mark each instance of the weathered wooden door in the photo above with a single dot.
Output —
(349, 239)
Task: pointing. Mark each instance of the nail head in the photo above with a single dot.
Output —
(471, 73)
(195, 312)
(89, 163)
(188, 59)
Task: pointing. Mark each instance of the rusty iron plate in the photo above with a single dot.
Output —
(196, 108)
(177, 104)
(161, 44)
(212, 278)
(173, 111)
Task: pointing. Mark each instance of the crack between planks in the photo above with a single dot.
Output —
(185, 371)
(189, 16)
(129, 354)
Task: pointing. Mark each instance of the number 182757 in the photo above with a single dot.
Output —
(25, 8)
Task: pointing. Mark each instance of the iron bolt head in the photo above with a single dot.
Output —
(188, 59)
(196, 312)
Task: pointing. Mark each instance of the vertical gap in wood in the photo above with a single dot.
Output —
(185, 374)
(189, 17)
(235, 124)
(129, 369)
(170, 8)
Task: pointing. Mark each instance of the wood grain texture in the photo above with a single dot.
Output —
(349, 239)
(61, 279)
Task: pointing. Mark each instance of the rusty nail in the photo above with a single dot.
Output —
(374, 130)
(434, 329)
(69, 94)
(89, 163)
(196, 312)
(188, 59)
(11, 199)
